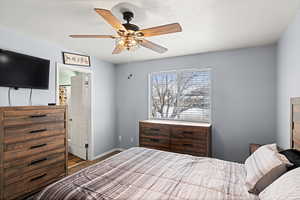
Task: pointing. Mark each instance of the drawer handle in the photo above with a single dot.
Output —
(154, 129)
(154, 140)
(187, 132)
(38, 161)
(37, 146)
(37, 131)
(38, 177)
(188, 145)
(37, 116)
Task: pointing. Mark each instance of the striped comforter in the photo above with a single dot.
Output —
(145, 174)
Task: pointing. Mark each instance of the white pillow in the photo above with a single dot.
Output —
(263, 167)
(286, 187)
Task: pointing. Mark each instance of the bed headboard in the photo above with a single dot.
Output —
(295, 123)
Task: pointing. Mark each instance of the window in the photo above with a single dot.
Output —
(180, 95)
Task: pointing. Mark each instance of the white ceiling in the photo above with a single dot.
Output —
(208, 25)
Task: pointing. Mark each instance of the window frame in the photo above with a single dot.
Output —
(209, 69)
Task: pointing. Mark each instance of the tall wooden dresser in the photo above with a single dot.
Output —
(175, 136)
(33, 149)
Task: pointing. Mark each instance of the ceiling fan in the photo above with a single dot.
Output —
(129, 36)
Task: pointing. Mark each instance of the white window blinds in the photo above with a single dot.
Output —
(180, 95)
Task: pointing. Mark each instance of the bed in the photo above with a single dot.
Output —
(141, 173)
(147, 174)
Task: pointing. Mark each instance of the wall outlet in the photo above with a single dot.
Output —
(120, 138)
(131, 140)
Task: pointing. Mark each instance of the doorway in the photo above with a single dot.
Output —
(74, 90)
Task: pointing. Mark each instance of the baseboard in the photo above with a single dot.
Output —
(107, 152)
(120, 149)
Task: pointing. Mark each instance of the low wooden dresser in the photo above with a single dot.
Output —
(175, 136)
(33, 149)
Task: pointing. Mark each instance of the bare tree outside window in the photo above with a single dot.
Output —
(181, 95)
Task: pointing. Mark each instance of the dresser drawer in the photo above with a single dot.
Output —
(155, 143)
(34, 173)
(20, 166)
(191, 146)
(33, 131)
(154, 130)
(24, 117)
(32, 147)
(188, 142)
(198, 133)
(33, 181)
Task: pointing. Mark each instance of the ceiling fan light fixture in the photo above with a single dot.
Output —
(133, 48)
(128, 43)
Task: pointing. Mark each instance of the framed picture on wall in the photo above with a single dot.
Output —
(76, 59)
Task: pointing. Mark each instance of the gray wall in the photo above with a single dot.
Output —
(244, 91)
(103, 90)
(288, 75)
(104, 107)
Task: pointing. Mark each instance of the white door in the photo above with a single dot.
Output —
(79, 115)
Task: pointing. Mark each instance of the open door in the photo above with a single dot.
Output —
(79, 114)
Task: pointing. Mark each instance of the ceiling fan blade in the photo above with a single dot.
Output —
(118, 49)
(160, 30)
(92, 36)
(111, 19)
(154, 47)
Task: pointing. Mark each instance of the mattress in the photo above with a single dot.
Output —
(147, 174)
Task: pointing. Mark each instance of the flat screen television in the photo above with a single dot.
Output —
(23, 71)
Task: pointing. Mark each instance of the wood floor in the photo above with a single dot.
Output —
(74, 160)
(85, 163)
